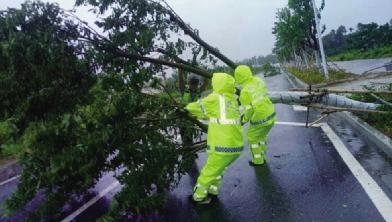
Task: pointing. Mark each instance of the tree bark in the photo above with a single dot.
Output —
(181, 82)
(340, 91)
(192, 69)
(303, 98)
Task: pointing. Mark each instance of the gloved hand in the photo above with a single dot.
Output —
(243, 119)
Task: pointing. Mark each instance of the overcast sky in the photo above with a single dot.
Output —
(242, 28)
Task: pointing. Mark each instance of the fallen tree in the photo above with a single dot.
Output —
(73, 105)
(328, 99)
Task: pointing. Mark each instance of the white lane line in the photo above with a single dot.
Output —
(375, 193)
(92, 201)
(299, 108)
(9, 180)
(295, 124)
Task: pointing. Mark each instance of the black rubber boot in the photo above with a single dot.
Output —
(204, 201)
(255, 165)
(214, 198)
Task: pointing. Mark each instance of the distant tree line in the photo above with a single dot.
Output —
(296, 43)
(365, 37)
(260, 60)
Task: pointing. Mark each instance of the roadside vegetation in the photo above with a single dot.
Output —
(7, 151)
(296, 46)
(296, 37)
(267, 69)
(314, 76)
(381, 52)
(367, 41)
(382, 122)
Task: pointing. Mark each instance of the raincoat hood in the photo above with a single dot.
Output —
(242, 74)
(223, 83)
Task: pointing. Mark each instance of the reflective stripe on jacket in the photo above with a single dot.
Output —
(222, 110)
(259, 106)
(256, 104)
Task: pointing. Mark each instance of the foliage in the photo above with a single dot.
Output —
(221, 68)
(269, 70)
(38, 83)
(335, 41)
(382, 122)
(145, 27)
(381, 52)
(367, 41)
(314, 76)
(72, 103)
(295, 30)
(7, 144)
(288, 34)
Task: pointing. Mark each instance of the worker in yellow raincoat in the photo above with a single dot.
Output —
(258, 109)
(224, 139)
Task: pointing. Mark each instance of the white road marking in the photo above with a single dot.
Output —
(299, 108)
(9, 180)
(373, 190)
(101, 194)
(295, 124)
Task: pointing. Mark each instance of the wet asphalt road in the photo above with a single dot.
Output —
(305, 179)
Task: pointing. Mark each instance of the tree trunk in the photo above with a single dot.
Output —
(318, 61)
(194, 36)
(303, 98)
(305, 59)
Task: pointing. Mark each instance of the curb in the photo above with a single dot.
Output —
(294, 81)
(370, 133)
(9, 170)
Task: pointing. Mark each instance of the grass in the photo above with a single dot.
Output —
(313, 76)
(381, 52)
(382, 122)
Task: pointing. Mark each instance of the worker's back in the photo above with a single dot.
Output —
(261, 103)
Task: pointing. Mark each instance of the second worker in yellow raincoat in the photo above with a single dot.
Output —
(258, 109)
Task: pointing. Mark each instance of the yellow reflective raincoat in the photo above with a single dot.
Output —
(258, 109)
(224, 139)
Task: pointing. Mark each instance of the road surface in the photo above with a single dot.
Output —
(308, 177)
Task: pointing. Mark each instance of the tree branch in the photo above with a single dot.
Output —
(188, 31)
(192, 69)
(176, 58)
(339, 109)
(185, 113)
(320, 90)
(120, 53)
